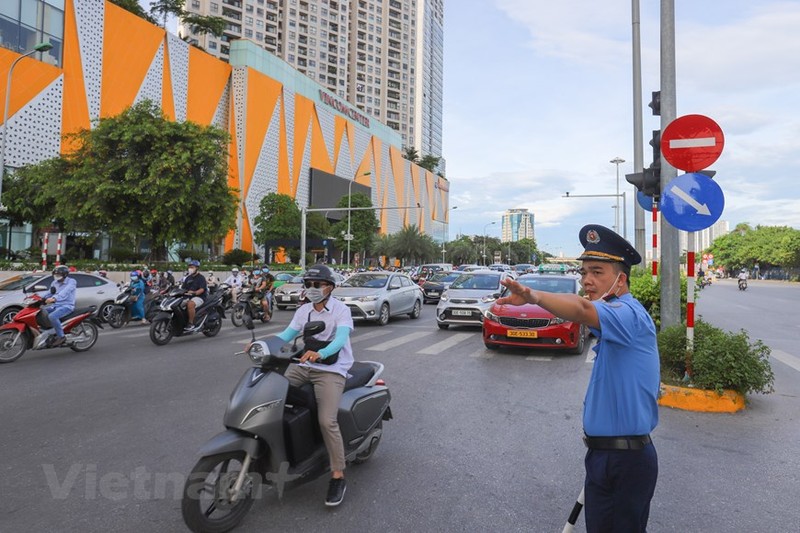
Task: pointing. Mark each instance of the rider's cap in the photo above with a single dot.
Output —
(603, 244)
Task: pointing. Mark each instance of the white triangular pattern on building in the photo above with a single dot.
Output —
(344, 167)
(151, 87)
(303, 196)
(239, 78)
(34, 132)
(221, 115)
(394, 222)
(288, 103)
(90, 20)
(179, 74)
(327, 124)
(362, 140)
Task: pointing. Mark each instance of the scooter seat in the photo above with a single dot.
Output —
(360, 374)
(80, 311)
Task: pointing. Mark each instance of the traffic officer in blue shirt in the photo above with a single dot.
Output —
(620, 408)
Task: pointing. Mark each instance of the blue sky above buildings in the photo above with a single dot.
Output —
(538, 100)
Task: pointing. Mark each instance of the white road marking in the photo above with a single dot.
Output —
(439, 347)
(539, 358)
(398, 341)
(697, 142)
(786, 359)
(370, 335)
(482, 353)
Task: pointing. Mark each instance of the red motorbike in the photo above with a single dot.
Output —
(26, 330)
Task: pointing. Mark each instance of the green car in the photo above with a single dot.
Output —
(282, 277)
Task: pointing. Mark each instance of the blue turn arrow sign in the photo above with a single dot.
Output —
(692, 202)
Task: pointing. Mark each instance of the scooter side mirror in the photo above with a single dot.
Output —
(313, 327)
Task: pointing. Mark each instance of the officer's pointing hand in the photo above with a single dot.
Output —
(519, 294)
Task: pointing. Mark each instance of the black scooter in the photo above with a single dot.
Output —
(249, 302)
(273, 435)
(742, 284)
(172, 317)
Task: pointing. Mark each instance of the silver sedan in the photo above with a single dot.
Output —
(464, 302)
(379, 295)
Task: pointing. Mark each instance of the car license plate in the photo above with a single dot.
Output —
(522, 333)
(461, 312)
(286, 298)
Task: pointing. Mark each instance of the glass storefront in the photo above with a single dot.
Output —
(26, 23)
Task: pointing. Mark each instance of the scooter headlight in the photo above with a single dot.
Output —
(28, 300)
(258, 352)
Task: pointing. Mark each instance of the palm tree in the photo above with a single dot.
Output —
(383, 245)
(429, 162)
(410, 153)
(409, 243)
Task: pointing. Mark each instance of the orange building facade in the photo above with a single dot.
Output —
(282, 124)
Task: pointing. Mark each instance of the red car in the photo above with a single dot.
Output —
(530, 326)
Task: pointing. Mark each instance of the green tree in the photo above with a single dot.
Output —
(411, 245)
(278, 218)
(769, 246)
(383, 245)
(364, 224)
(317, 226)
(136, 174)
(134, 7)
(462, 251)
(411, 153)
(429, 162)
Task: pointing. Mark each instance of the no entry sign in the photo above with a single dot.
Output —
(692, 142)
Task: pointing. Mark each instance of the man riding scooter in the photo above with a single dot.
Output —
(196, 286)
(61, 302)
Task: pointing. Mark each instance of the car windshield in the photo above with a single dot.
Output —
(372, 281)
(446, 277)
(486, 282)
(564, 285)
(283, 277)
(17, 282)
(296, 279)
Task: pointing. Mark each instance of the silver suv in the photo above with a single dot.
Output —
(464, 302)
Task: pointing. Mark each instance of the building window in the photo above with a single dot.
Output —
(214, 7)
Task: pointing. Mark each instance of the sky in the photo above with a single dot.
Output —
(538, 100)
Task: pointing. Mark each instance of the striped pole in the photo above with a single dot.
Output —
(655, 239)
(690, 253)
(44, 249)
(58, 250)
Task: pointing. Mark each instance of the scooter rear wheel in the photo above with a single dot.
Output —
(87, 336)
(161, 332)
(207, 505)
(12, 349)
(213, 329)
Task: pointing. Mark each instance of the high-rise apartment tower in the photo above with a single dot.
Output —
(383, 56)
(517, 225)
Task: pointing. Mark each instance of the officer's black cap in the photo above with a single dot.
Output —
(602, 244)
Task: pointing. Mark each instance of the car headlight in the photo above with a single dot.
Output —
(370, 298)
(488, 315)
(257, 352)
(443, 297)
(490, 298)
(557, 320)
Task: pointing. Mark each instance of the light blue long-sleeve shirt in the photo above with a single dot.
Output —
(65, 292)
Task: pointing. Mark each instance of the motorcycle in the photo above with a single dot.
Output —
(172, 317)
(227, 294)
(120, 313)
(703, 283)
(273, 435)
(249, 302)
(742, 284)
(27, 329)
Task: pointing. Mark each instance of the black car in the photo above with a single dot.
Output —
(433, 288)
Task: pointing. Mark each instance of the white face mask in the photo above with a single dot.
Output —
(315, 295)
(192, 271)
(605, 295)
(59, 278)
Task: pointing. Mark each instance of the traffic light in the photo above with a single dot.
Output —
(655, 103)
(655, 142)
(648, 181)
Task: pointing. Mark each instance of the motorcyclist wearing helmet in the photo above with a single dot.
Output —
(264, 286)
(235, 281)
(195, 285)
(325, 364)
(137, 296)
(61, 301)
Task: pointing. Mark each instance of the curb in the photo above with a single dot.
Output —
(705, 401)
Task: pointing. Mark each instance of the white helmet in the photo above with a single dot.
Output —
(235, 270)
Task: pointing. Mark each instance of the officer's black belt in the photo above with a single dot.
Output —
(632, 442)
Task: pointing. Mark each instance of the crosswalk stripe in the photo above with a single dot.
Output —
(399, 340)
(439, 347)
(482, 353)
(370, 335)
(539, 358)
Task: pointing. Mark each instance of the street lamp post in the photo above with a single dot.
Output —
(617, 161)
(41, 47)
(445, 233)
(484, 241)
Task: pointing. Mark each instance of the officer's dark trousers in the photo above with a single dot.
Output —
(618, 489)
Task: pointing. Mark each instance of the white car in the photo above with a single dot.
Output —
(464, 302)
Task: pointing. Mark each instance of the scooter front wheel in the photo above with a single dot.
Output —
(12, 345)
(116, 319)
(85, 335)
(161, 332)
(207, 504)
(237, 316)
